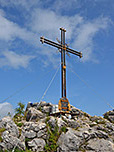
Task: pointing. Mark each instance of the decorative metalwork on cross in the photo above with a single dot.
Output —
(64, 105)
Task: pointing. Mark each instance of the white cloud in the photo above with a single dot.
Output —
(80, 32)
(48, 22)
(11, 59)
(85, 37)
(60, 5)
(5, 108)
(10, 30)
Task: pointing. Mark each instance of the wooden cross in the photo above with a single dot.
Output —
(64, 105)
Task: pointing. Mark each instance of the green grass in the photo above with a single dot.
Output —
(27, 139)
(17, 150)
(1, 139)
(1, 131)
(20, 124)
(51, 145)
(64, 129)
(47, 119)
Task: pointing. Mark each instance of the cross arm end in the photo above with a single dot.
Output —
(81, 55)
(42, 39)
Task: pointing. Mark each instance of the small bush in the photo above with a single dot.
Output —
(1, 139)
(19, 124)
(20, 132)
(100, 121)
(51, 145)
(47, 119)
(86, 115)
(27, 139)
(20, 109)
(25, 115)
(64, 129)
(1, 131)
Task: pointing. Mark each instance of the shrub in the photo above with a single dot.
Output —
(47, 119)
(51, 145)
(20, 109)
(1, 131)
(20, 124)
(64, 129)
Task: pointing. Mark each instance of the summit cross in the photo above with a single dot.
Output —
(64, 105)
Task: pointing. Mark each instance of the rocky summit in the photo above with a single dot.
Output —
(41, 129)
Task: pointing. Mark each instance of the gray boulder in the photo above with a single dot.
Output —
(52, 122)
(10, 142)
(34, 115)
(43, 103)
(37, 144)
(10, 126)
(100, 145)
(69, 142)
(40, 126)
(33, 105)
(46, 109)
(42, 131)
(109, 115)
(30, 134)
(73, 124)
(61, 123)
(32, 130)
(35, 126)
(42, 134)
(75, 111)
(28, 106)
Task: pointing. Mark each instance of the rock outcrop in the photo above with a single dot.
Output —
(40, 130)
(9, 138)
(109, 115)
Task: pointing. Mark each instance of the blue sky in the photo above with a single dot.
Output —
(23, 59)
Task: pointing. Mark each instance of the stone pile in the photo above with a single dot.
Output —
(40, 131)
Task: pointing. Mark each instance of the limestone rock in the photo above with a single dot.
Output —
(102, 145)
(69, 142)
(42, 134)
(33, 114)
(109, 115)
(37, 144)
(43, 103)
(61, 123)
(2, 146)
(42, 131)
(28, 106)
(52, 122)
(110, 126)
(76, 111)
(9, 142)
(80, 132)
(46, 109)
(30, 134)
(73, 124)
(98, 120)
(10, 126)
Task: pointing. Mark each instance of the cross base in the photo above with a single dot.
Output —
(64, 105)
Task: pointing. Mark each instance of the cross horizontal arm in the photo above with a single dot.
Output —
(44, 40)
(59, 46)
(74, 52)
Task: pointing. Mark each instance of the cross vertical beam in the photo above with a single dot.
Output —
(63, 64)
